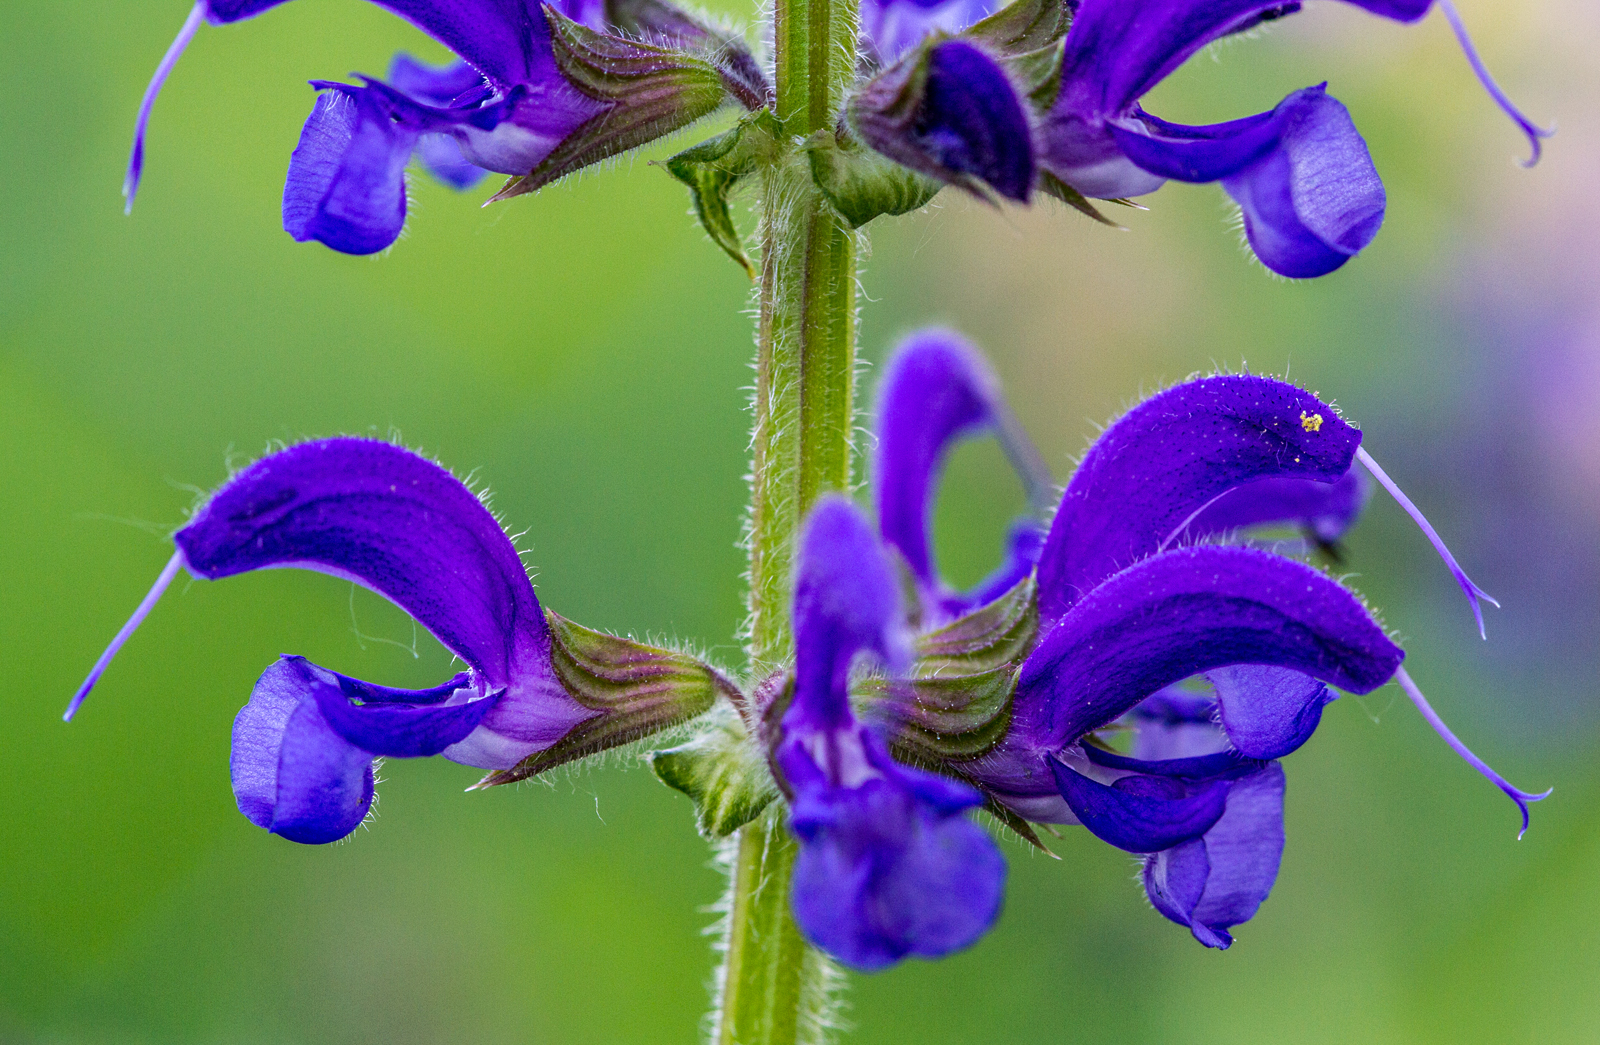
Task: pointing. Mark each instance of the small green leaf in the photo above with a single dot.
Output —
(723, 771)
(1017, 824)
(713, 167)
(635, 690)
(709, 188)
(860, 183)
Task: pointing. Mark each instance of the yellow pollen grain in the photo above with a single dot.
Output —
(1311, 422)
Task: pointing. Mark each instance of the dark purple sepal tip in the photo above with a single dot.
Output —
(1268, 712)
(1141, 813)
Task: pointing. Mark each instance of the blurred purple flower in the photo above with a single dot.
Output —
(889, 864)
(936, 391)
(890, 28)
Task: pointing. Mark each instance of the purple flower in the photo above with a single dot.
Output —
(438, 85)
(539, 91)
(1300, 172)
(934, 392)
(968, 125)
(385, 518)
(889, 864)
(1134, 597)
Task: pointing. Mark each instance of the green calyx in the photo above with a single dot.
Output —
(996, 635)
(649, 91)
(855, 180)
(666, 24)
(1022, 28)
(954, 707)
(956, 704)
(635, 691)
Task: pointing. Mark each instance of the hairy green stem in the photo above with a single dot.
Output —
(804, 397)
(775, 989)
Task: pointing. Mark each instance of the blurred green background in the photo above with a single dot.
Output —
(586, 352)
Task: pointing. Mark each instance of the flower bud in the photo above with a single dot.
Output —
(950, 111)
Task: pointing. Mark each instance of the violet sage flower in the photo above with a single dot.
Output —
(537, 690)
(1300, 172)
(889, 864)
(1140, 589)
(1145, 607)
(540, 90)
